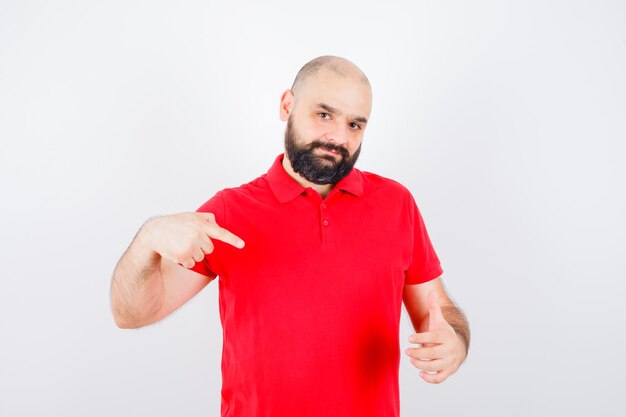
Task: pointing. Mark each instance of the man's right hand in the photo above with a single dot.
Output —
(185, 238)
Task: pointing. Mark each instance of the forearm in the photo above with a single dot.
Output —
(136, 285)
(456, 318)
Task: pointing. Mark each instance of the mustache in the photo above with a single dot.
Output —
(329, 147)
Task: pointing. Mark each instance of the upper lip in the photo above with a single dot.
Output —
(330, 150)
(334, 149)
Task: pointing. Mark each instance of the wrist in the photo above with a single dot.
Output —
(144, 241)
(463, 340)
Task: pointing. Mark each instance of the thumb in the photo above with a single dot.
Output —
(435, 316)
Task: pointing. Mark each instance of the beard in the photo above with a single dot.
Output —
(319, 169)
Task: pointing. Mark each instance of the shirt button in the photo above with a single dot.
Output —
(323, 205)
(325, 222)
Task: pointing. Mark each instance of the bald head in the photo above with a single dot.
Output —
(327, 90)
(337, 65)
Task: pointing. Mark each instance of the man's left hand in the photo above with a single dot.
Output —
(442, 350)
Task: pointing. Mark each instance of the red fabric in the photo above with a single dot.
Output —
(310, 307)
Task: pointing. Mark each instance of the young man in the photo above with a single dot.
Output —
(310, 303)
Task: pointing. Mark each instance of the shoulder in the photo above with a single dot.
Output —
(255, 189)
(235, 200)
(373, 182)
(260, 183)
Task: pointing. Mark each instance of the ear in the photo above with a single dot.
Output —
(287, 101)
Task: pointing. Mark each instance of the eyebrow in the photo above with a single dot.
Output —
(336, 111)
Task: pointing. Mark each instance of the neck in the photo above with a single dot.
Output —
(322, 189)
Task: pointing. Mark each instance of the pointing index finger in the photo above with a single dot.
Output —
(226, 236)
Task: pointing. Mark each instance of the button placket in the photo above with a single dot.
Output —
(325, 230)
(323, 214)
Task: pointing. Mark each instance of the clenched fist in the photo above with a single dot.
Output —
(185, 238)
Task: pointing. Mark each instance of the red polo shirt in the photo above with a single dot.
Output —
(310, 307)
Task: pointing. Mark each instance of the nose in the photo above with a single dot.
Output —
(338, 134)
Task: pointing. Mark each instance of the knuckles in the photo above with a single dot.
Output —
(188, 263)
(183, 238)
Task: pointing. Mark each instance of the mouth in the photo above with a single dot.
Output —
(329, 152)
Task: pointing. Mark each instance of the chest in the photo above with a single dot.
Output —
(319, 250)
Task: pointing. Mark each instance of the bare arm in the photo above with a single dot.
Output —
(137, 289)
(442, 331)
(416, 303)
(147, 286)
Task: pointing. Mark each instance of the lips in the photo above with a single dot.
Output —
(329, 149)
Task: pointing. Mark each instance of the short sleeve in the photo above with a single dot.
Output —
(424, 265)
(210, 265)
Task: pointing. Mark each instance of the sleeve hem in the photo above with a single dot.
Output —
(429, 275)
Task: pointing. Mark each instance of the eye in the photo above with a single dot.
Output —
(320, 114)
(358, 126)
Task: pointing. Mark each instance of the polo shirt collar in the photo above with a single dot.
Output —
(286, 188)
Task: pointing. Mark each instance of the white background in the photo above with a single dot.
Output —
(505, 119)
